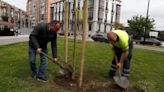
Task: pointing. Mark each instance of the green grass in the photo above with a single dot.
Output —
(146, 69)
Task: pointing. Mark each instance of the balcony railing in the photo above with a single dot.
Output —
(5, 18)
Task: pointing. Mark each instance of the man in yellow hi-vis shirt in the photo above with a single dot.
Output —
(122, 48)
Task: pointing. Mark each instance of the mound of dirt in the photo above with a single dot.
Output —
(63, 81)
(112, 88)
(72, 85)
(68, 82)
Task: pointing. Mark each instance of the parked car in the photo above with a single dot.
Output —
(149, 41)
(100, 37)
(138, 40)
(62, 33)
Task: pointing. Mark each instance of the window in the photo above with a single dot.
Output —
(101, 10)
(52, 13)
(101, 3)
(91, 3)
(90, 27)
(90, 14)
(42, 17)
(117, 18)
(12, 13)
(101, 13)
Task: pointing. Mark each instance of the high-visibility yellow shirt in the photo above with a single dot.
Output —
(123, 39)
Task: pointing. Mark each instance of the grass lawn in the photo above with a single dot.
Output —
(147, 68)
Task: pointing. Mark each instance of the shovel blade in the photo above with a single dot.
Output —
(66, 70)
(121, 81)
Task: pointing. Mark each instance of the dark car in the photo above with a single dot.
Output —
(100, 37)
(149, 41)
(62, 33)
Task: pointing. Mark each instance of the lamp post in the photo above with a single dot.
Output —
(112, 13)
(106, 14)
(146, 21)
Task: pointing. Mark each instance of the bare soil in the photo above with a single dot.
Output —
(113, 88)
(72, 85)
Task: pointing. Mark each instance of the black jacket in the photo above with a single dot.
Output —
(41, 35)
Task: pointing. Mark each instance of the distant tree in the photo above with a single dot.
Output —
(138, 24)
(117, 25)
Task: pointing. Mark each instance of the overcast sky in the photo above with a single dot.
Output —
(129, 8)
(18, 3)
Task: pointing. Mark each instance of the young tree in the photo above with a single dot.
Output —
(138, 24)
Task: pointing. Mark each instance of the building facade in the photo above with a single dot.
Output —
(39, 11)
(99, 13)
(12, 17)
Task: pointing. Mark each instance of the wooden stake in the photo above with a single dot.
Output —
(85, 29)
(75, 35)
(66, 32)
(112, 14)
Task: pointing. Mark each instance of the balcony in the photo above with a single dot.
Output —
(4, 18)
(7, 24)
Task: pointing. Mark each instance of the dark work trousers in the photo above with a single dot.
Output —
(126, 63)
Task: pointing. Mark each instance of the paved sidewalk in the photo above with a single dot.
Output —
(4, 40)
(160, 49)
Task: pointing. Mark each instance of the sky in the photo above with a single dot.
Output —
(21, 4)
(129, 8)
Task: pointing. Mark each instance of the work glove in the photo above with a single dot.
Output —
(118, 65)
(55, 59)
(38, 50)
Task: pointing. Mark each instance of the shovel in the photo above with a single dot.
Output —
(65, 68)
(121, 81)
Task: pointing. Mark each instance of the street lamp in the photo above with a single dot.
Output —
(106, 14)
(146, 21)
(112, 13)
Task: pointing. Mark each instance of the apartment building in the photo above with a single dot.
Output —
(12, 17)
(99, 13)
(39, 11)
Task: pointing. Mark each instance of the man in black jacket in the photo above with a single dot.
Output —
(39, 38)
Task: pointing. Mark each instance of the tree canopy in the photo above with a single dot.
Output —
(139, 24)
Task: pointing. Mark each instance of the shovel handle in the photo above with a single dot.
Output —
(50, 58)
(116, 59)
(119, 71)
(114, 53)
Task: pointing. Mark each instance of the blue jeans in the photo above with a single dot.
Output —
(32, 61)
